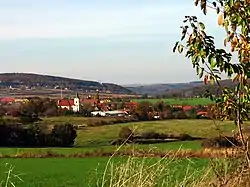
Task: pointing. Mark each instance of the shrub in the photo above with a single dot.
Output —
(150, 135)
(125, 133)
(36, 135)
(191, 114)
(63, 135)
(168, 114)
(185, 137)
(153, 135)
(220, 142)
(27, 118)
(180, 115)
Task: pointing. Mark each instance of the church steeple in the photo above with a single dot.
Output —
(77, 95)
(77, 103)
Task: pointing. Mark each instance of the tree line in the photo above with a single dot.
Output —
(35, 135)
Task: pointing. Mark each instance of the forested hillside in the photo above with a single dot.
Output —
(37, 81)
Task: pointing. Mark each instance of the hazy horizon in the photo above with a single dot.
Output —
(123, 42)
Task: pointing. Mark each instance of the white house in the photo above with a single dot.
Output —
(70, 104)
(109, 113)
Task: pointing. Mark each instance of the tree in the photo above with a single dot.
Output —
(63, 135)
(143, 110)
(210, 61)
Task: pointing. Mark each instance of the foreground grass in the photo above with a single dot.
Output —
(85, 172)
(185, 101)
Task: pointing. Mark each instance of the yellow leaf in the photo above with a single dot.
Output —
(235, 40)
(190, 38)
(220, 19)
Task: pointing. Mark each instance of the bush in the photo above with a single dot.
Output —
(28, 118)
(63, 135)
(185, 137)
(36, 135)
(191, 114)
(126, 133)
(153, 135)
(150, 135)
(220, 142)
(179, 115)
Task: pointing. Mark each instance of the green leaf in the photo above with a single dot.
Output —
(231, 3)
(213, 63)
(202, 26)
(212, 81)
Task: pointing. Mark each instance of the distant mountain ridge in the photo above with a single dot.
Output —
(33, 81)
(154, 89)
(178, 89)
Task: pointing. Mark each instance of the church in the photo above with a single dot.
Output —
(70, 104)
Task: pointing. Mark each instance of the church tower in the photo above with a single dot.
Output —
(77, 103)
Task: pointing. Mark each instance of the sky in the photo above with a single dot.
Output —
(118, 41)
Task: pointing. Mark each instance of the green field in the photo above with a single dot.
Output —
(103, 135)
(187, 145)
(199, 128)
(185, 101)
(91, 139)
(61, 172)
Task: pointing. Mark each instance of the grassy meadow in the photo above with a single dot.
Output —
(99, 138)
(102, 135)
(40, 172)
(187, 145)
(62, 172)
(178, 101)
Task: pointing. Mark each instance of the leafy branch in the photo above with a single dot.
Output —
(211, 62)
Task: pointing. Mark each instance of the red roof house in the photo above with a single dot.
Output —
(187, 107)
(7, 100)
(89, 101)
(202, 113)
(66, 102)
(70, 104)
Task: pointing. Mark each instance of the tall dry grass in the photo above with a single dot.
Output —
(11, 177)
(135, 172)
(142, 172)
(227, 171)
(146, 172)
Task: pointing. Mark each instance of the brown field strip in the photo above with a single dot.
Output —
(204, 153)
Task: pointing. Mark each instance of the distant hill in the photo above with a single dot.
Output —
(155, 89)
(178, 89)
(36, 81)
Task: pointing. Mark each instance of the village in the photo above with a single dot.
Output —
(102, 107)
